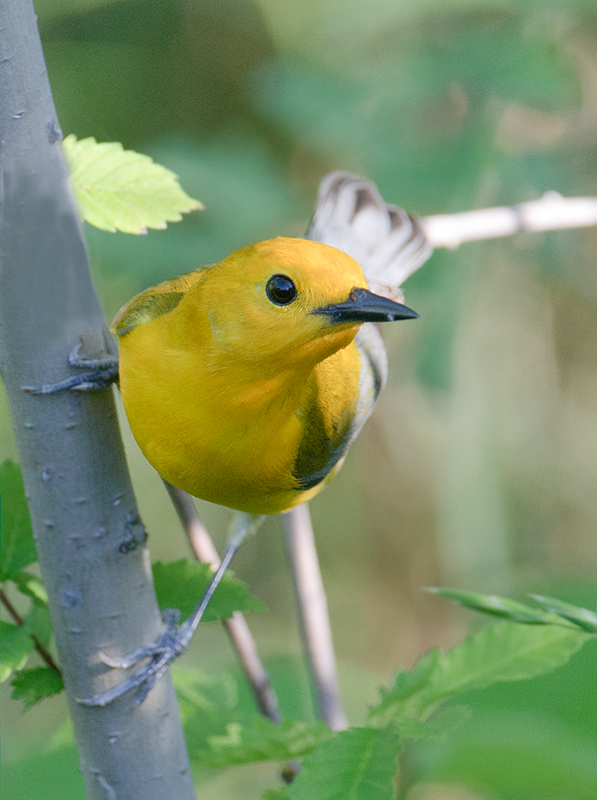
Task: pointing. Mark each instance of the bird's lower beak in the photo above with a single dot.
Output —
(364, 306)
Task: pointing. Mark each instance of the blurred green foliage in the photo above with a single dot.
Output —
(479, 468)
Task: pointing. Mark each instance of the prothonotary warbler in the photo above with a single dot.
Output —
(246, 381)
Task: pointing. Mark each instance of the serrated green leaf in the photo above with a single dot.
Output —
(437, 727)
(32, 685)
(503, 607)
(15, 646)
(401, 699)
(32, 586)
(356, 764)
(120, 190)
(17, 548)
(502, 652)
(411, 682)
(259, 739)
(181, 584)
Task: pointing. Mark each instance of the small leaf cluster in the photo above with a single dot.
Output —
(178, 585)
(362, 762)
(20, 637)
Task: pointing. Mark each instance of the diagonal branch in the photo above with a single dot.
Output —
(236, 627)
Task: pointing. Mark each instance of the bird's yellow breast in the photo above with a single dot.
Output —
(258, 444)
(236, 398)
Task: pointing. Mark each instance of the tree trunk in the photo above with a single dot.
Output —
(89, 537)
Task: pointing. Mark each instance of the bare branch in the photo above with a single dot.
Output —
(236, 627)
(313, 615)
(550, 213)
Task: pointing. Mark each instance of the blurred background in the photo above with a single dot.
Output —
(479, 468)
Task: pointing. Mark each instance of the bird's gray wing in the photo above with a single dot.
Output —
(351, 215)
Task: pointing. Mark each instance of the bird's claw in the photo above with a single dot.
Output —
(102, 372)
(90, 363)
(170, 618)
(172, 643)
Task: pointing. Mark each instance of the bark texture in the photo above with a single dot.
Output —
(90, 540)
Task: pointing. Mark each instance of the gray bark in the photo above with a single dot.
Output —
(89, 537)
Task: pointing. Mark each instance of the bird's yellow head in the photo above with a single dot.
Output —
(284, 300)
(271, 305)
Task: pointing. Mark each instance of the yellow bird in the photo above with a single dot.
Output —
(246, 381)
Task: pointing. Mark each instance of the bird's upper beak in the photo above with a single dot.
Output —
(364, 306)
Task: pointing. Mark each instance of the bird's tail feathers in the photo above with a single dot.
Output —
(388, 243)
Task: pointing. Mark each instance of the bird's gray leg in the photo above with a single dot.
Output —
(101, 372)
(174, 641)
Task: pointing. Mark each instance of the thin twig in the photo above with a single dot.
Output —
(313, 615)
(236, 627)
(551, 212)
(21, 622)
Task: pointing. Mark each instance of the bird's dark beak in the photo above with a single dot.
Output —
(364, 306)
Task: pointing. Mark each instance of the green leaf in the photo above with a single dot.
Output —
(207, 703)
(63, 736)
(411, 683)
(181, 584)
(260, 740)
(435, 728)
(220, 730)
(213, 693)
(32, 685)
(505, 608)
(580, 617)
(280, 793)
(502, 652)
(17, 548)
(119, 189)
(32, 586)
(356, 764)
(39, 624)
(15, 646)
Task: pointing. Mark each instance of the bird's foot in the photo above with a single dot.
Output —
(172, 643)
(101, 372)
(174, 640)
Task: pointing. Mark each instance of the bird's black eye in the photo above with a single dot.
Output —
(281, 290)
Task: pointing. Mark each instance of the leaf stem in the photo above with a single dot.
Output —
(21, 623)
